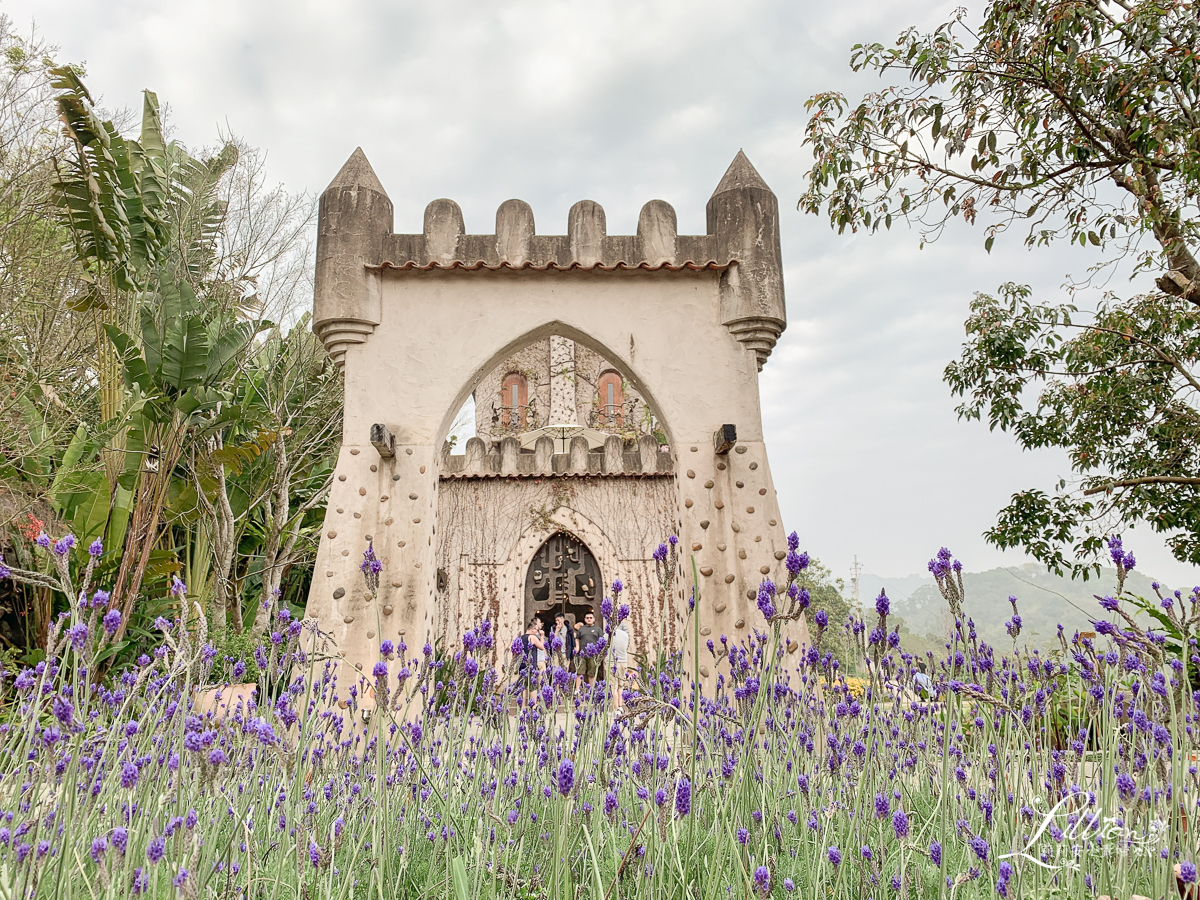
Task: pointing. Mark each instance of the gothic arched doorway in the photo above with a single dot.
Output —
(563, 577)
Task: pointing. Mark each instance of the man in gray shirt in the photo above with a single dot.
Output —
(590, 655)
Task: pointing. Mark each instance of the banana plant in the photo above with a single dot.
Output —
(133, 208)
(177, 369)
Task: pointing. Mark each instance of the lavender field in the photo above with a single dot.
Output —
(1070, 773)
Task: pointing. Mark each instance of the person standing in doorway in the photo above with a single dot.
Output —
(619, 661)
(532, 646)
(563, 642)
(590, 648)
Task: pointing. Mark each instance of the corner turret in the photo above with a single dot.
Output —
(353, 222)
(743, 218)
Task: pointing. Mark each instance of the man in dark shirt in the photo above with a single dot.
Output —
(591, 653)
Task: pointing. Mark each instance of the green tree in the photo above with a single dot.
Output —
(825, 593)
(1073, 120)
(261, 482)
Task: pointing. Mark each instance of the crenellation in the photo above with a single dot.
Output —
(586, 230)
(514, 232)
(656, 233)
(443, 228)
(507, 458)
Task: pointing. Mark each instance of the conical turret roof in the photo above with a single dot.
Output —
(357, 173)
(740, 175)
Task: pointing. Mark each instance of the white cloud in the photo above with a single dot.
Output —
(622, 101)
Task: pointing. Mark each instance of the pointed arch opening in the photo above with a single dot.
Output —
(629, 379)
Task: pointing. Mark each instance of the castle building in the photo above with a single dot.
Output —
(615, 380)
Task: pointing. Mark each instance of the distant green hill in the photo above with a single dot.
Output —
(1043, 600)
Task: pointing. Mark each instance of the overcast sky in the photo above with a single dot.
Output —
(554, 101)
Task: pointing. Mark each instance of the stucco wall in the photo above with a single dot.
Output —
(491, 528)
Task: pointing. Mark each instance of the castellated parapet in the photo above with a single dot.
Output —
(355, 233)
(648, 425)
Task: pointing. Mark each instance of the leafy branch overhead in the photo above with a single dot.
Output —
(1117, 390)
(1069, 119)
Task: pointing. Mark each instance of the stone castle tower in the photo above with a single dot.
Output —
(615, 379)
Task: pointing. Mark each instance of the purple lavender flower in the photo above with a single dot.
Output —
(743, 836)
(566, 776)
(64, 544)
(673, 540)
(1187, 872)
(793, 542)
(660, 555)
(386, 649)
(43, 541)
(935, 853)
(789, 885)
(314, 854)
(622, 612)
(835, 856)
(1126, 786)
(380, 670)
(822, 618)
(900, 824)
(180, 879)
(371, 564)
(683, 797)
(77, 634)
(941, 566)
(606, 608)
(883, 605)
(882, 807)
(100, 598)
(766, 598)
(617, 587)
(762, 880)
(610, 803)
(156, 850)
(99, 845)
(178, 588)
(96, 549)
(980, 846)
(129, 777)
(792, 563)
(5, 571)
(120, 839)
(111, 621)
(63, 711)
(140, 881)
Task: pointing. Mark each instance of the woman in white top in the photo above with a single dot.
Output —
(618, 660)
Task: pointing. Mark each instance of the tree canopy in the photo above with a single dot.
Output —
(1072, 120)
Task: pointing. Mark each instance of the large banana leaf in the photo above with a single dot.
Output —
(228, 340)
(89, 188)
(185, 355)
(135, 369)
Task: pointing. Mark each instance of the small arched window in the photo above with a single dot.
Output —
(514, 400)
(611, 400)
